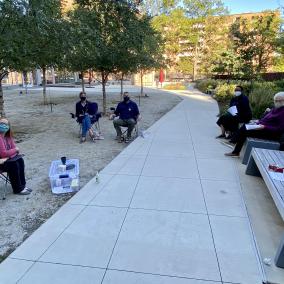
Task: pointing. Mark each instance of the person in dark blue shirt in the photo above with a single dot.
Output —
(230, 123)
(127, 113)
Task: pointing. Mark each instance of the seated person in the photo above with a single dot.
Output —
(127, 112)
(12, 161)
(228, 122)
(86, 113)
(270, 127)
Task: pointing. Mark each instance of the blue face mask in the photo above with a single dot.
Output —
(4, 128)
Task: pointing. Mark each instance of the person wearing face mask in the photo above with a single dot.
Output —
(230, 123)
(270, 127)
(83, 117)
(127, 112)
(13, 162)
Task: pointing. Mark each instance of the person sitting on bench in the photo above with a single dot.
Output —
(13, 161)
(127, 112)
(229, 122)
(270, 127)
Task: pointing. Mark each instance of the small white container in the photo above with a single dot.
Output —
(61, 169)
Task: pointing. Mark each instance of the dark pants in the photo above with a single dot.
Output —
(129, 123)
(242, 134)
(229, 122)
(16, 173)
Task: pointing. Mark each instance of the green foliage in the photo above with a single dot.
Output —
(185, 66)
(224, 92)
(227, 63)
(261, 97)
(204, 8)
(255, 41)
(260, 93)
(109, 37)
(157, 7)
(175, 86)
(206, 84)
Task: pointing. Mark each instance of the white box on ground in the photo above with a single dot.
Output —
(64, 182)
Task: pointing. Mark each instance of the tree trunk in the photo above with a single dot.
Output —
(25, 75)
(2, 112)
(82, 82)
(43, 68)
(141, 83)
(195, 63)
(121, 86)
(104, 81)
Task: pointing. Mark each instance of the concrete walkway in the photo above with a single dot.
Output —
(167, 210)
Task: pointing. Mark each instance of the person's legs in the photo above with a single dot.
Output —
(227, 122)
(130, 126)
(117, 123)
(21, 166)
(242, 134)
(220, 123)
(15, 176)
(86, 125)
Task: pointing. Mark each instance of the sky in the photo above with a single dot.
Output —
(244, 6)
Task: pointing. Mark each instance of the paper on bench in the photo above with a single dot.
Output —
(253, 126)
(233, 110)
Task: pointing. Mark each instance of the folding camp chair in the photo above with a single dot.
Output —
(134, 134)
(135, 131)
(95, 116)
(4, 176)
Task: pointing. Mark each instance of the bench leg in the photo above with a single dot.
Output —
(252, 168)
(279, 258)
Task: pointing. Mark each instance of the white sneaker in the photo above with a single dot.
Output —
(24, 192)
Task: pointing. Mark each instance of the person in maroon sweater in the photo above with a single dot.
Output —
(11, 161)
(270, 127)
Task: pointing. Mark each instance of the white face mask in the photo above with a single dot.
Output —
(238, 93)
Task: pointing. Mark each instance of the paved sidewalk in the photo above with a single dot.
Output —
(167, 210)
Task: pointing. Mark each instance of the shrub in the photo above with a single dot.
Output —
(224, 92)
(206, 84)
(175, 86)
(261, 97)
(279, 84)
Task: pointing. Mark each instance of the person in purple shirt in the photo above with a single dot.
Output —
(127, 113)
(271, 126)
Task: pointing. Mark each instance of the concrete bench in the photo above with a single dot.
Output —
(258, 164)
(258, 143)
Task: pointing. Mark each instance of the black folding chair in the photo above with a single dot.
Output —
(95, 119)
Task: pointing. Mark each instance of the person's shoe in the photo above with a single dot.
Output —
(228, 144)
(221, 136)
(93, 138)
(28, 189)
(232, 154)
(120, 140)
(24, 192)
(82, 140)
(127, 139)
